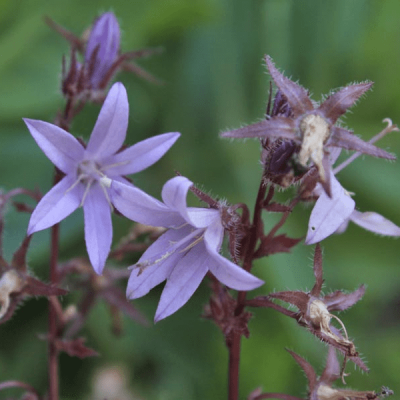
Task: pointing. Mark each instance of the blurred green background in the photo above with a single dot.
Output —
(215, 79)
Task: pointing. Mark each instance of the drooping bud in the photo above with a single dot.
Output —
(102, 48)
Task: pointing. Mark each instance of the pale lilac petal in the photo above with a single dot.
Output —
(183, 281)
(231, 274)
(98, 227)
(174, 196)
(343, 226)
(374, 222)
(329, 213)
(202, 217)
(104, 38)
(214, 235)
(138, 206)
(110, 130)
(56, 205)
(165, 242)
(63, 150)
(140, 285)
(141, 155)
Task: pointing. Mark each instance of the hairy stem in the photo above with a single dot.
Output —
(234, 347)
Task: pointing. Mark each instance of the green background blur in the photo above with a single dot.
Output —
(214, 80)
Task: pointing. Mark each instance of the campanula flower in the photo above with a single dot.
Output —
(185, 253)
(89, 171)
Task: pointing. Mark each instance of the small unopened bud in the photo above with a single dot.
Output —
(102, 47)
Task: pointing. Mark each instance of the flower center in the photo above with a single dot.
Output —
(315, 131)
(90, 172)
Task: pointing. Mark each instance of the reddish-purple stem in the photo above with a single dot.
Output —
(234, 348)
(53, 352)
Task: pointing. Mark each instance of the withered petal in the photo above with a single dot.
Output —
(332, 368)
(276, 127)
(347, 140)
(338, 103)
(339, 301)
(307, 368)
(296, 95)
(297, 298)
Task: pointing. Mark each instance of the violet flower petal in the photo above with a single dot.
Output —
(62, 149)
(374, 222)
(140, 284)
(56, 205)
(109, 132)
(174, 195)
(98, 228)
(141, 155)
(329, 213)
(138, 206)
(183, 281)
(229, 273)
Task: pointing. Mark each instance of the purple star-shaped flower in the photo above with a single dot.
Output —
(185, 253)
(89, 172)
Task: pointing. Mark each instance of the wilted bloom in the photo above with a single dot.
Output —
(185, 253)
(312, 127)
(332, 214)
(89, 171)
(102, 48)
(16, 283)
(320, 388)
(315, 311)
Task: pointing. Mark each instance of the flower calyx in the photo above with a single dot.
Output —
(310, 126)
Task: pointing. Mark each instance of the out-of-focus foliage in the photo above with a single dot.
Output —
(215, 79)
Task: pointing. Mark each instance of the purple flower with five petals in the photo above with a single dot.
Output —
(185, 253)
(89, 172)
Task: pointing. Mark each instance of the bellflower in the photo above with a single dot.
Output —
(89, 171)
(185, 253)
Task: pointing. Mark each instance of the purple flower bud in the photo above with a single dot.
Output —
(102, 48)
